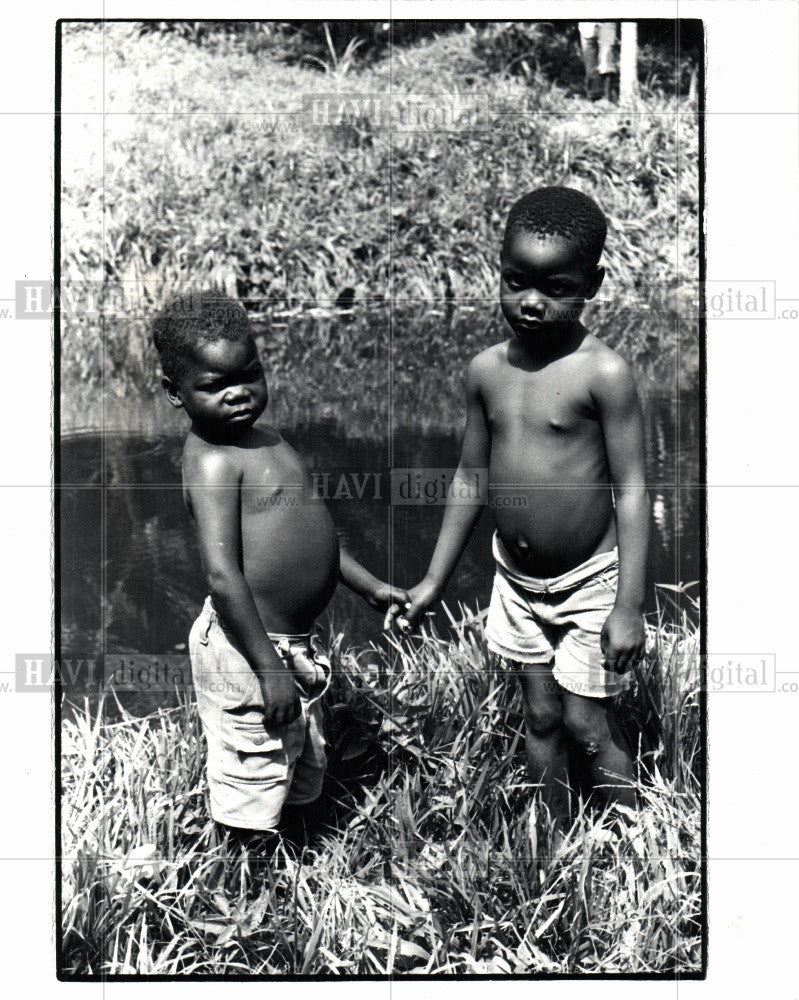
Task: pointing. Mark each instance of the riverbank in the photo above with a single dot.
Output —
(186, 180)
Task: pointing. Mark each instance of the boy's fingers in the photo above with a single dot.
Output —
(284, 716)
(388, 621)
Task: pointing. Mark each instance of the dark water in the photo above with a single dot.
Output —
(130, 571)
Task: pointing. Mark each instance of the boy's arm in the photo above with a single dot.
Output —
(380, 595)
(623, 636)
(213, 487)
(460, 516)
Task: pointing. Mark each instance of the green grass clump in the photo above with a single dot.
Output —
(427, 864)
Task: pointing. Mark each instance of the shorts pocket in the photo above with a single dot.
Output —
(251, 752)
(227, 680)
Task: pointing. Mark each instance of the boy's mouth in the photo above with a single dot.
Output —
(530, 325)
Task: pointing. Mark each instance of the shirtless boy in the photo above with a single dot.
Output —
(271, 558)
(554, 416)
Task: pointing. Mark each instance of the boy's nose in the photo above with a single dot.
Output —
(532, 304)
(236, 393)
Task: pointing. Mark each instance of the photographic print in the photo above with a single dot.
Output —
(380, 566)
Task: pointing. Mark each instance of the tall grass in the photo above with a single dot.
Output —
(426, 864)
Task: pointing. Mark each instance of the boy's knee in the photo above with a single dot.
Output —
(543, 720)
(587, 724)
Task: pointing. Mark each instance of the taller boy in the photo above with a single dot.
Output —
(554, 417)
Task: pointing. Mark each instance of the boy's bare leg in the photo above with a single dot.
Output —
(545, 744)
(592, 724)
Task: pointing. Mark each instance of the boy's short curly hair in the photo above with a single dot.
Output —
(187, 321)
(560, 211)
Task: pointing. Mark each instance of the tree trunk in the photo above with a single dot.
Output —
(628, 61)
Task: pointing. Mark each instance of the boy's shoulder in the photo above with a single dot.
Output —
(204, 461)
(592, 363)
(491, 358)
(605, 364)
(211, 461)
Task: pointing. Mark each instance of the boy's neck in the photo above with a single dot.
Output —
(541, 351)
(220, 435)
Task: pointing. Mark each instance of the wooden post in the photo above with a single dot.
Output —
(628, 61)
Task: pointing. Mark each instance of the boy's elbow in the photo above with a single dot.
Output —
(221, 582)
(633, 497)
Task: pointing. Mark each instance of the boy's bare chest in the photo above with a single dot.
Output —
(268, 475)
(534, 403)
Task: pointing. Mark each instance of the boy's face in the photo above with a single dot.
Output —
(222, 387)
(544, 285)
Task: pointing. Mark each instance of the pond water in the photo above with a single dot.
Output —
(130, 571)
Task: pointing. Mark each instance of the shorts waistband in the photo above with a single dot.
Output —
(302, 639)
(566, 581)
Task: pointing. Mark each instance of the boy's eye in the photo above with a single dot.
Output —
(513, 281)
(248, 377)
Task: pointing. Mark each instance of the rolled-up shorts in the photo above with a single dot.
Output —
(254, 769)
(557, 621)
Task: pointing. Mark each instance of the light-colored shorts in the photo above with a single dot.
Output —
(557, 621)
(253, 769)
(598, 40)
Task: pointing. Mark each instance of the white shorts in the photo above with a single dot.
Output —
(253, 769)
(557, 621)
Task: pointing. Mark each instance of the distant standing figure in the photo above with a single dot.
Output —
(598, 41)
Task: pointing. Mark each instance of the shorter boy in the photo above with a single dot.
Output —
(271, 558)
(552, 415)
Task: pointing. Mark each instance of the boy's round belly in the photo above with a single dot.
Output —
(291, 565)
(551, 523)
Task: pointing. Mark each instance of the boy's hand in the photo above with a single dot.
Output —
(421, 597)
(623, 639)
(376, 593)
(281, 698)
(383, 595)
(388, 600)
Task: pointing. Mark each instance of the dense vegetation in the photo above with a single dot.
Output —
(428, 865)
(209, 173)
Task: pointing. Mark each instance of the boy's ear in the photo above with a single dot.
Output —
(596, 283)
(172, 392)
